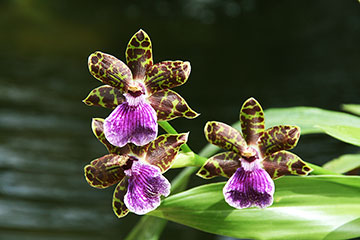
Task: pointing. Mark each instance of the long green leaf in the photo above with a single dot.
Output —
(307, 118)
(353, 108)
(346, 134)
(317, 207)
(344, 163)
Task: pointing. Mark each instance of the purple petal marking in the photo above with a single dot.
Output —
(249, 188)
(146, 185)
(133, 121)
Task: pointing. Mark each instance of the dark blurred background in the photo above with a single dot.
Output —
(284, 53)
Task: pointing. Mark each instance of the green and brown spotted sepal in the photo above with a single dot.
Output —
(104, 96)
(252, 121)
(278, 138)
(226, 137)
(163, 150)
(170, 105)
(285, 163)
(118, 204)
(222, 164)
(105, 171)
(166, 75)
(110, 70)
(139, 54)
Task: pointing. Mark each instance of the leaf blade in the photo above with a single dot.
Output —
(318, 204)
(344, 163)
(348, 134)
(308, 117)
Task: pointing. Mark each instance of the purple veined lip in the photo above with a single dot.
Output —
(133, 121)
(145, 186)
(249, 188)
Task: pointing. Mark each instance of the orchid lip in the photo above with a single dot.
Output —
(146, 185)
(133, 121)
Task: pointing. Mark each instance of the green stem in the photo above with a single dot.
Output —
(320, 171)
(169, 129)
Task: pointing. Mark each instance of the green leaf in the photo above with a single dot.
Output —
(346, 134)
(149, 228)
(352, 108)
(315, 207)
(344, 163)
(308, 117)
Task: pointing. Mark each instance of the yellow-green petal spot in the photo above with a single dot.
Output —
(225, 136)
(169, 105)
(222, 164)
(105, 171)
(252, 121)
(166, 75)
(109, 70)
(118, 204)
(163, 150)
(139, 54)
(285, 163)
(278, 138)
(104, 96)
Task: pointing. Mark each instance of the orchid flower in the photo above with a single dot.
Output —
(139, 92)
(253, 158)
(137, 171)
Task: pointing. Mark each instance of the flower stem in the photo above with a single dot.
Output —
(320, 171)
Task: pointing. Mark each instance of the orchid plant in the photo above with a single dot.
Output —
(139, 95)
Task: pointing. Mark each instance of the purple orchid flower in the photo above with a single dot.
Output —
(138, 92)
(137, 171)
(254, 157)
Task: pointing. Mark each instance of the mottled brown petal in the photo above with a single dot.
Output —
(97, 126)
(279, 138)
(169, 105)
(285, 163)
(222, 164)
(105, 171)
(252, 121)
(110, 70)
(138, 151)
(225, 136)
(166, 74)
(139, 54)
(163, 150)
(118, 204)
(104, 96)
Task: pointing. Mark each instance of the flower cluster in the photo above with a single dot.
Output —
(139, 95)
